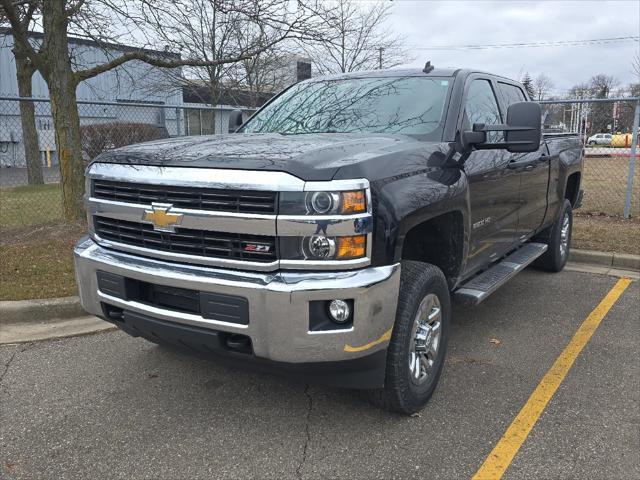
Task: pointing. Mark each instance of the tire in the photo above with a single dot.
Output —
(592, 143)
(558, 238)
(422, 288)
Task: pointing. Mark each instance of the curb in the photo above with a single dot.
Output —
(11, 334)
(607, 259)
(33, 311)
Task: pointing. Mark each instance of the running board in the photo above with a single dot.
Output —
(483, 285)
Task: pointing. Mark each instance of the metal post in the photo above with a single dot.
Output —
(178, 123)
(632, 160)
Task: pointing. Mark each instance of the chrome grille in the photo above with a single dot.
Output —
(210, 199)
(201, 243)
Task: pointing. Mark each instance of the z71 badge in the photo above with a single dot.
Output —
(257, 247)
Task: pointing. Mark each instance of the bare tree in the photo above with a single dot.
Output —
(580, 91)
(542, 85)
(24, 74)
(53, 60)
(262, 73)
(355, 37)
(601, 85)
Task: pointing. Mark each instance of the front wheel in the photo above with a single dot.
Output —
(418, 344)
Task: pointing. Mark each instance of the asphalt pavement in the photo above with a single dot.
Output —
(111, 406)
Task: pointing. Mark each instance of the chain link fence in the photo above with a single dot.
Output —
(606, 127)
(30, 192)
(26, 199)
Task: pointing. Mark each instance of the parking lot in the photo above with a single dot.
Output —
(111, 406)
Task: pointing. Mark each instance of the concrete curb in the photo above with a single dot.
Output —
(30, 311)
(50, 330)
(607, 259)
(59, 309)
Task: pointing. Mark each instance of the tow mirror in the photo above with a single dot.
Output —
(522, 133)
(235, 120)
(525, 130)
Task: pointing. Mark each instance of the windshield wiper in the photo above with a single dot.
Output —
(329, 130)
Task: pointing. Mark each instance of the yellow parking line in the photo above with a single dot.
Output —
(502, 455)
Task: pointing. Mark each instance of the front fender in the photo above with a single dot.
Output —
(405, 201)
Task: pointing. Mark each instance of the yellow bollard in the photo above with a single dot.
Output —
(48, 153)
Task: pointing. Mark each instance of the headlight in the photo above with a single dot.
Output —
(323, 203)
(327, 226)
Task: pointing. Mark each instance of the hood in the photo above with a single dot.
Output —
(311, 157)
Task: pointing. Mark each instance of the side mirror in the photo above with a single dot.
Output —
(235, 120)
(522, 132)
(524, 120)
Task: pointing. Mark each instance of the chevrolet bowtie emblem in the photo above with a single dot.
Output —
(160, 217)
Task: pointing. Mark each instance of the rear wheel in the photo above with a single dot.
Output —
(416, 352)
(558, 240)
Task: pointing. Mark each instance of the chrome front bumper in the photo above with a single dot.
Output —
(278, 302)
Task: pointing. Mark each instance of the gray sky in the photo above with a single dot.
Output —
(435, 23)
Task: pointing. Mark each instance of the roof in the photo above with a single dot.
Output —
(408, 72)
(93, 43)
(392, 72)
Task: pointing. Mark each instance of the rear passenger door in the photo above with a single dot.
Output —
(532, 170)
(493, 186)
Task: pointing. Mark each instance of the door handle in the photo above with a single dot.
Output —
(528, 168)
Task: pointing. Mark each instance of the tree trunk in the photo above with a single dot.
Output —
(28, 120)
(67, 126)
(62, 83)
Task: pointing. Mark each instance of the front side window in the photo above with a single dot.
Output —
(481, 107)
(510, 93)
(406, 105)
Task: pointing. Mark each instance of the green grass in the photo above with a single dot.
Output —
(30, 205)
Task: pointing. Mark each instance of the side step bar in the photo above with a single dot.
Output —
(483, 285)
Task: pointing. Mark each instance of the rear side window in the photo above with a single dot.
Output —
(510, 93)
(481, 107)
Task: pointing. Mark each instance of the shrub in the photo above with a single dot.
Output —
(98, 137)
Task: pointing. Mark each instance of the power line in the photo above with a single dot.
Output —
(558, 43)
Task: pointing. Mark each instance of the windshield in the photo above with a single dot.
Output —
(407, 105)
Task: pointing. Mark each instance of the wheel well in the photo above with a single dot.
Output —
(573, 186)
(437, 241)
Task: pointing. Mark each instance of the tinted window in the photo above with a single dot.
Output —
(409, 105)
(511, 93)
(481, 107)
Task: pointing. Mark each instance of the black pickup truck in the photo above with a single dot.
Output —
(328, 236)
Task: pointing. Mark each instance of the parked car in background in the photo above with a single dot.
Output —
(599, 139)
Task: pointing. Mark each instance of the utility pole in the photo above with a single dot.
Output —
(380, 50)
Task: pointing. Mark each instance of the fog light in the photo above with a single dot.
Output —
(321, 247)
(339, 311)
